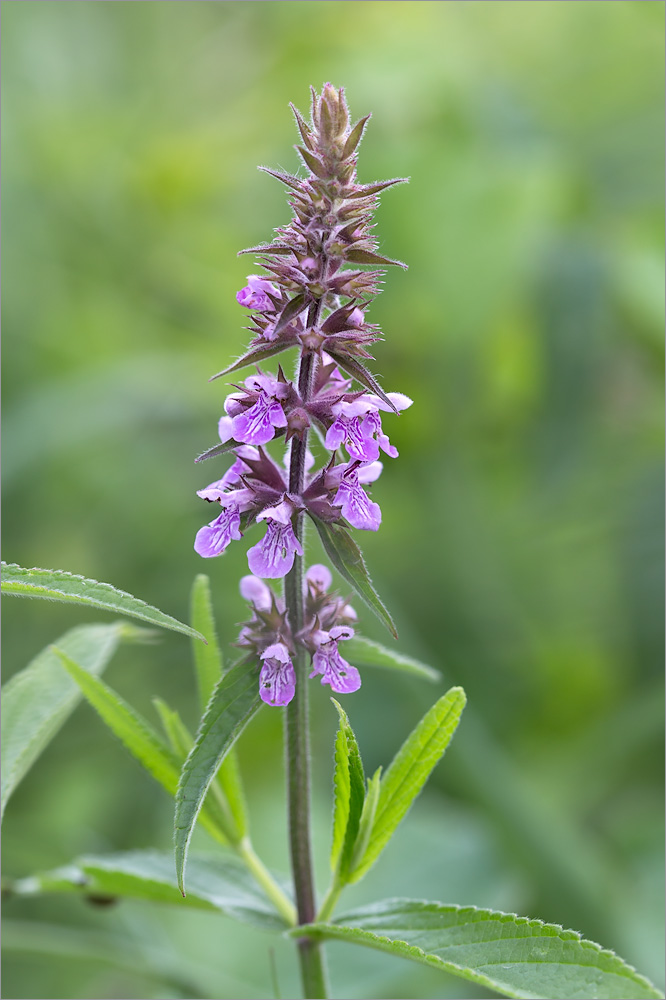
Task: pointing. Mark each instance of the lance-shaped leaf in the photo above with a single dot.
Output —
(37, 700)
(139, 737)
(312, 162)
(290, 311)
(207, 659)
(349, 793)
(347, 558)
(364, 652)
(58, 585)
(515, 956)
(269, 248)
(358, 371)
(214, 883)
(233, 703)
(217, 449)
(289, 179)
(368, 257)
(367, 820)
(209, 667)
(254, 356)
(409, 771)
(364, 190)
(303, 127)
(355, 137)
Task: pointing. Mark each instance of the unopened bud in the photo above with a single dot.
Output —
(297, 422)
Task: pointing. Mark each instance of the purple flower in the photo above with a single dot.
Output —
(359, 426)
(327, 661)
(255, 295)
(274, 555)
(213, 538)
(256, 592)
(277, 680)
(353, 427)
(257, 424)
(319, 577)
(357, 507)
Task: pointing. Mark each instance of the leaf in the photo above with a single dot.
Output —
(409, 771)
(37, 700)
(289, 179)
(58, 585)
(347, 558)
(312, 162)
(368, 257)
(515, 956)
(253, 356)
(367, 821)
(233, 703)
(139, 737)
(349, 791)
(364, 190)
(292, 309)
(217, 449)
(177, 733)
(270, 248)
(364, 652)
(214, 883)
(358, 371)
(209, 668)
(208, 658)
(355, 137)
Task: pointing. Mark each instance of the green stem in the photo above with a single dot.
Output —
(330, 899)
(310, 952)
(280, 901)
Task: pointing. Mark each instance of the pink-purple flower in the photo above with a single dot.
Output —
(257, 424)
(328, 662)
(274, 555)
(255, 295)
(277, 680)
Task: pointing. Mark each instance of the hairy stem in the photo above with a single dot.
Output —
(297, 732)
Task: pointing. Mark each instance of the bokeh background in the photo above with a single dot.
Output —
(521, 545)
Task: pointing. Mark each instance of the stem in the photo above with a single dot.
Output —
(282, 904)
(330, 900)
(310, 952)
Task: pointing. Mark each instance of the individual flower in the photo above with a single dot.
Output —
(256, 592)
(328, 662)
(356, 506)
(255, 295)
(277, 680)
(318, 577)
(257, 424)
(358, 425)
(213, 538)
(274, 555)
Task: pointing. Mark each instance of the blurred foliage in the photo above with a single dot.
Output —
(521, 548)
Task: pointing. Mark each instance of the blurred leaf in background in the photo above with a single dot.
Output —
(521, 545)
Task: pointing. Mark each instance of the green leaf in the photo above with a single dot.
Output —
(58, 585)
(214, 883)
(177, 733)
(208, 658)
(233, 703)
(515, 956)
(367, 257)
(347, 558)
(349, 791)
(138, 736)
(409, 771)
(367, 821)
(217, 449)
(366, 653)
(209, 667)
(37, 701)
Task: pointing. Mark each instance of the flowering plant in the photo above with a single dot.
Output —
(303, 449)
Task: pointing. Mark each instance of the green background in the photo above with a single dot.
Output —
(521, 545)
